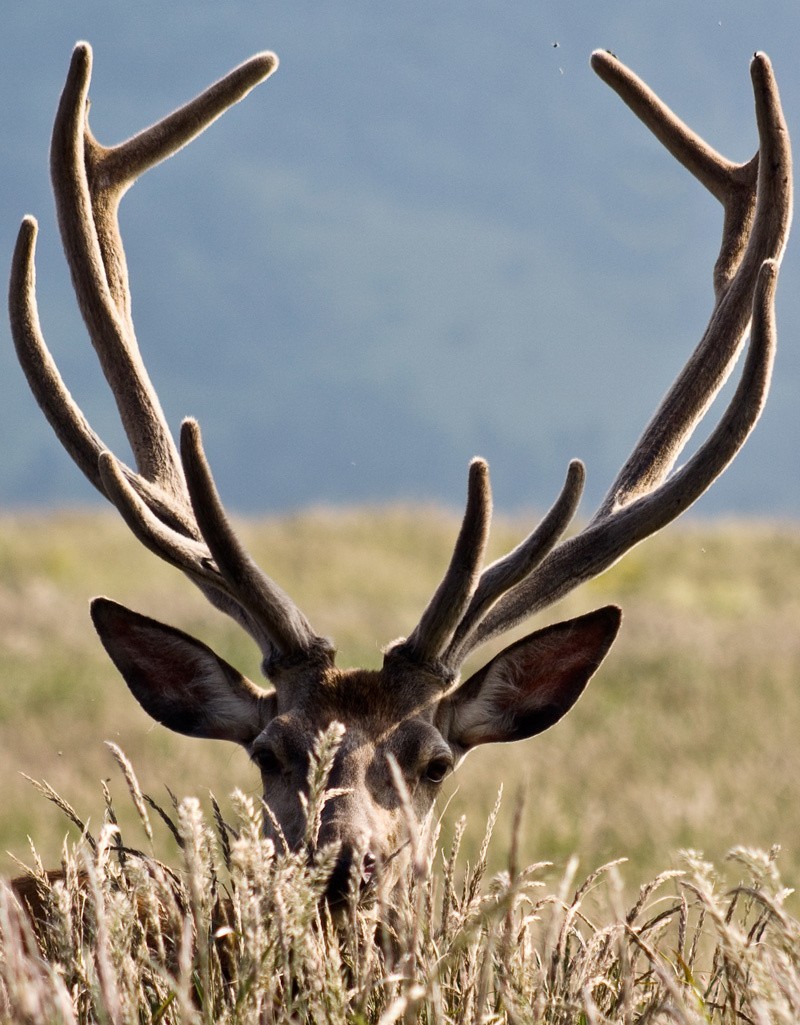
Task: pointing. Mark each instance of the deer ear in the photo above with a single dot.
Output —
(531, 684)
(177, 680)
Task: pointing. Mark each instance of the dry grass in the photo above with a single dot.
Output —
(129, 941)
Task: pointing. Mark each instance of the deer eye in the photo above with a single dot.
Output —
(437, 768)
(267, 761)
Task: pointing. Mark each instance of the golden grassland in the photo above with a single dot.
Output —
(237, 933)
(687, 738)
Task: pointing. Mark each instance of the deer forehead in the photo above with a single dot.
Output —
(374, 699)
(381, 715)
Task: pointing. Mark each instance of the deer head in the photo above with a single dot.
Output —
(407, 725)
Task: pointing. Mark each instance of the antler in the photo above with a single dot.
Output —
(471, 607)
(170, 501)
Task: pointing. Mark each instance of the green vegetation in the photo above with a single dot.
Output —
(687, 738)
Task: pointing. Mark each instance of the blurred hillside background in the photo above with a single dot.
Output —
(434, 233)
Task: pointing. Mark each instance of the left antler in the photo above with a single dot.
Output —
(169, 501)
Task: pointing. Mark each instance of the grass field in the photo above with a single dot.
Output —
(688, 736)
(685, 742)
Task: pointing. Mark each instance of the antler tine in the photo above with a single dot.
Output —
(88, 182)
(64, 415)
(289, 635)
(643, 498)
(758, 238)
(55, 401)
(519, 563)
(184, 552)
(463, 597)
(439, 620)
(732, 184)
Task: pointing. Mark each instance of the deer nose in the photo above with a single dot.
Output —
(367, 868)
(346, 873)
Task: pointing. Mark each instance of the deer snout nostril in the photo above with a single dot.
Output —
(352, 869)
(367, 868)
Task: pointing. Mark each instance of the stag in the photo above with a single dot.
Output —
(406, 726)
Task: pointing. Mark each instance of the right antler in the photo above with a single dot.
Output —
(471, 607)
(169, 502)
